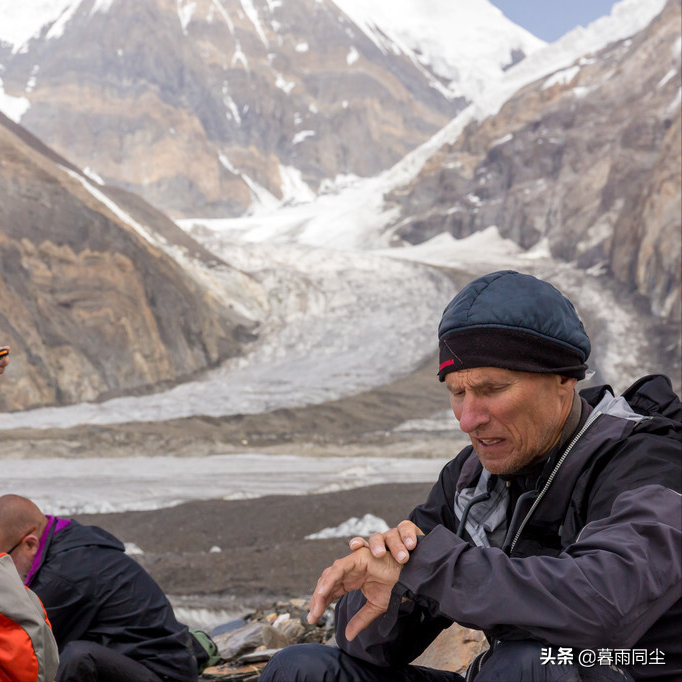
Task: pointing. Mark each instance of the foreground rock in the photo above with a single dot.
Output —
(246, 646)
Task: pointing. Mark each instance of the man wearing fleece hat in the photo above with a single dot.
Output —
(557, 531)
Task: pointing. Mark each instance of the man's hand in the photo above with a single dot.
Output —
(398, 541)
(375, 577)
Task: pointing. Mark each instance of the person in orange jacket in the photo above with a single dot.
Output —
(28, 651)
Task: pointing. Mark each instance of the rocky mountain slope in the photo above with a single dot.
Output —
(90, 303)
(208, 106)
(587, 159)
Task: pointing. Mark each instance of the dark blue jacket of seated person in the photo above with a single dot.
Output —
(93, 591)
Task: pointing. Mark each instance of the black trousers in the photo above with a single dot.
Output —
(511, 662)
(91, 662)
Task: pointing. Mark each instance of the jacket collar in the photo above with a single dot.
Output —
(54, 526)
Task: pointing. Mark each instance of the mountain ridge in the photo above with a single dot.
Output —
(210, 107)
(89, 305)
(573, 158)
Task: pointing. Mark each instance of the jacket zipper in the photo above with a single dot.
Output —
(538, 499)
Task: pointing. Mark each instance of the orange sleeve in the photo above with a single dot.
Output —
(28, 651)
(18, 662)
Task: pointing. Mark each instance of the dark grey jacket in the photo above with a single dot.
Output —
(593, 560)
(93, 591)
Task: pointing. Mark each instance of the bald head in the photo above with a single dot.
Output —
(18, 515)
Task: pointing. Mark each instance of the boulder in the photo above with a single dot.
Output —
(249, 637)
(453, 649)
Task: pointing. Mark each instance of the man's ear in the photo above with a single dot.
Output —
(32, 543)
(566, 384)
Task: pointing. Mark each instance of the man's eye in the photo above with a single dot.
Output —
(494, 389)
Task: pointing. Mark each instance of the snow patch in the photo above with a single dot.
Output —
(677, 50)
(563, 77)
(502, 140)
(13, 107)
(446, 251)
(304, 134)
(131, 549)
(239, 57)
(232, 108)
(284, 84)
(674, 106)
(113, 207)
(227, 164)
(22, 21)
(294, 188)
(671, 74)
(101, 6)
(538, 251)
(262, 199)
(252, 14)
(581, 91)
(92, 175)
(223, 13)
(364, 526)
(352, 56)
(186, 9)
(302, 47)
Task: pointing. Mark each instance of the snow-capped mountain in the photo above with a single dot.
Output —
(466, 44)
(319, 296)
(585, 158)
(551, 151)
(210, 107)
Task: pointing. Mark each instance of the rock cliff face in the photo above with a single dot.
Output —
(91, 306)
(588, 159)
(201, 107)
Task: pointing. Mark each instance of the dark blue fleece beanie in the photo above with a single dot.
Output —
(514, 321)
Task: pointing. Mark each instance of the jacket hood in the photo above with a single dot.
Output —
(76, 535)
(651, 395)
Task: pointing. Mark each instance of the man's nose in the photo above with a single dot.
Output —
(472, 414)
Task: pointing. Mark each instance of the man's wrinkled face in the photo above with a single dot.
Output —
(512, 418)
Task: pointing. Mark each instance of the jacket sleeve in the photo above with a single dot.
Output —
(391, 641)
(28, 652)
(607, 589)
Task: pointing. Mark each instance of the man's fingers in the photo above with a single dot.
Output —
(377, 544)
(408, 532)
(358, 543)
(397, 548)
(325, 593)
(364, 617)
(332, 583)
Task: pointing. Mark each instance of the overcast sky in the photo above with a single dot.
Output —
(550, 19)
